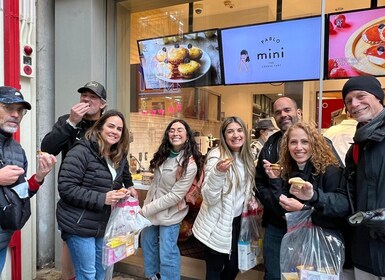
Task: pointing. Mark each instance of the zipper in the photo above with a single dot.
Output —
(81, 216)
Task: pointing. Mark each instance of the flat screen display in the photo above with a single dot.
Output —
(356, 44)
(272, 52)
(185, 60)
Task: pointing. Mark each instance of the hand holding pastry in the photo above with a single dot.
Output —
(273, 170)
(112, 197)
(301, 189)
(224, 164)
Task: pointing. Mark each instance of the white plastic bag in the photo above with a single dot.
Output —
(122, 232)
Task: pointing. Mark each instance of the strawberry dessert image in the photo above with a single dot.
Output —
(376, 54)
(375, 34)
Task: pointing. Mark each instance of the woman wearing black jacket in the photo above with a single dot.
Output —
(90, 175)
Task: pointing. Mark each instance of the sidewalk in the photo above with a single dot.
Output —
(54, 274)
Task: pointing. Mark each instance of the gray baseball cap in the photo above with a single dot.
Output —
(96, 88)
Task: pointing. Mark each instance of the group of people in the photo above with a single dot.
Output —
(94, 175)
(334, 192)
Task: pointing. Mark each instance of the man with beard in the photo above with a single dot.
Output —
(69, 129)
(13, 161)
(286, 113)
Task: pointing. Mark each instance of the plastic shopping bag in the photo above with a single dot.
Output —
(122, 233)
(255, 217)
(247, 257)
(309, 251)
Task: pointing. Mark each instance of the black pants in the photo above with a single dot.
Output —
(221, 266)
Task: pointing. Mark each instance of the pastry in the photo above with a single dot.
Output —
(195, 53)
(228, 160)
(297, 181)
(374, 34)
(188, 69)
(161, 55)
(164, 69)
(376, 55)
(275, 166)
(177, 54)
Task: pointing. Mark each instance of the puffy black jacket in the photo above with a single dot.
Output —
(84, 180)
(63, 136)
(366, 187)
(11, 152)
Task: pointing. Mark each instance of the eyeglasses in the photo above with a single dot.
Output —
(12, 108)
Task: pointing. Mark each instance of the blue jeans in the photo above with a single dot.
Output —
(271, 250)
(86, 255)
(3, 255)
(160, 251)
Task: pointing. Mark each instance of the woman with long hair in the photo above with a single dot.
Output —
(226, 191)
(89, 179)
(164, 205)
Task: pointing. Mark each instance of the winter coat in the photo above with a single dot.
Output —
(84, 180)
(328, 182)
(213, 224)
(164, 204)
(272, 213)
(11, 152)
(63, 136)
(366, 189)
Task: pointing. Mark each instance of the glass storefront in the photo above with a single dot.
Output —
(201, 93)
(177, 54)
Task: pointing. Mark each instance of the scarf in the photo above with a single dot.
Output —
(363, 132)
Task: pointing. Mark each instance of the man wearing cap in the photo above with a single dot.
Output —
(13, 161)
(365, 172)
(69, 129)
(264, 129)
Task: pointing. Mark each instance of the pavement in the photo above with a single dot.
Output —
(54, 274)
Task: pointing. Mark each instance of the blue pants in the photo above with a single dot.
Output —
(271, 250)
(160, 251)
(86, 255)
(3, 255)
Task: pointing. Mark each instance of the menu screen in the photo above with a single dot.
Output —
(356, 44)
(183, 60)
(272, 52)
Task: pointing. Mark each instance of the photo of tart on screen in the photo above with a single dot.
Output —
(181, 63)
(365, 49)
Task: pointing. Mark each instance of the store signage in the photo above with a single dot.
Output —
(272, 52)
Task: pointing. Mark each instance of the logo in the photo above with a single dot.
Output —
(270, 52)
(92, 84)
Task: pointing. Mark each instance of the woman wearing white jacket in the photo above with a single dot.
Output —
(227, 190)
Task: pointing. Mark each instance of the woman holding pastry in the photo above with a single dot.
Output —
(92, 178)
(227, 192)
(308, 164)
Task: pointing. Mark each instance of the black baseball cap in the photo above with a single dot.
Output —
(96, 88)
(10, 95)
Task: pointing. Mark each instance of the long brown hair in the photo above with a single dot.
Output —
(117, 151)
(321, 157)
